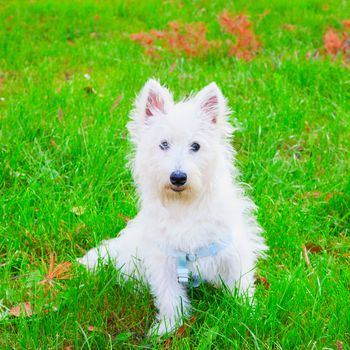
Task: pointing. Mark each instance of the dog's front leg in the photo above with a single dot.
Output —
(170, 296)
(238, 274)
(102, 254)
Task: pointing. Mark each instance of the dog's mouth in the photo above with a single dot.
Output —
(177, 188)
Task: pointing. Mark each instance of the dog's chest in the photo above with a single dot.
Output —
(188, 236)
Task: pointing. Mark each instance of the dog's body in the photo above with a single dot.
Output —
(189, 200)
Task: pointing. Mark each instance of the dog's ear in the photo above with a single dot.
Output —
(153, 100)
(211, 103)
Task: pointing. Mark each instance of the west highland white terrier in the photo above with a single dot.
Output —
(194, 223)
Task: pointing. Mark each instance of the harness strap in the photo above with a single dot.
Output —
(183, 259)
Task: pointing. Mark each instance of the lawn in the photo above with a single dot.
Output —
(68, 77)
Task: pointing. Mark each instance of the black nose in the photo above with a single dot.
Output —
(178, 178)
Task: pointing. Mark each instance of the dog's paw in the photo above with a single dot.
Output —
(162, 327)
(90, 260)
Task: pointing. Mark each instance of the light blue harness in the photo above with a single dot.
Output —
(183, 259)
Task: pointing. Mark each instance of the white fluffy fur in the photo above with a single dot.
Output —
(211, 207)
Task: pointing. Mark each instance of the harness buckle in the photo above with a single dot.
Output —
(183, 275)
(191, 257)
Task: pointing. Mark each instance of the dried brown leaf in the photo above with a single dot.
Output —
(59, 272)
(330, 195)
(288, 26)
(246, 43)
(263, 281)
(340, 345)
(313, 248)
(332, 42)
(315, 194)
(67, 75)
(264, 13)
(180, 38)
(59, 114)
(191, 38)
(123, 217)
(53, 143)
(183, 328)
(23, 309)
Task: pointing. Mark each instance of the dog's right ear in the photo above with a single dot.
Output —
(153, 100)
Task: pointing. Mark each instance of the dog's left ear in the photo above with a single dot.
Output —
(211, 103)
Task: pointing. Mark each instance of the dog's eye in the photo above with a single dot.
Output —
(195, 147)
(164, 145)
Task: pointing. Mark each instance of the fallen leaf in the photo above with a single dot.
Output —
(123, 217)
(67, 75)
(183, 328)
(264, 13)
(332, 42)
(288, 26)
(80, 227)
(315, 194)
(23, 309)
(330, 195)
(191, 39)
(185, 76)
(313, 248)
(59, 114)
(116, 103)
(60, 272)
(246, 43)
(340, 345)
(263, 281)
(53, 143)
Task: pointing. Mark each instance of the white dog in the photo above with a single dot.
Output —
(194, 220)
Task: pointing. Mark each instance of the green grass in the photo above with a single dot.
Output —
(293, 149)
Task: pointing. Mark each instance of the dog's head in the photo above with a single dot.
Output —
(180, 147)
